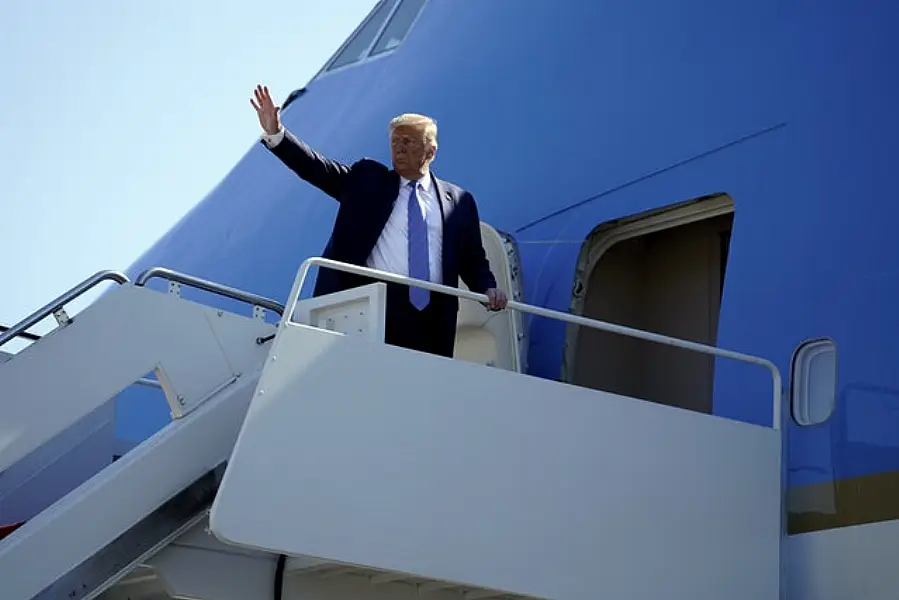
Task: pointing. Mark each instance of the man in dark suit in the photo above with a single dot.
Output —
(402, 220)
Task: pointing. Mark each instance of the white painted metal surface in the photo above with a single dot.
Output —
(458, 493)
(95, 513)
(843, 563)
(208, 361)
(59, 466)
(115, 341)
(423, 465)
(357, 311)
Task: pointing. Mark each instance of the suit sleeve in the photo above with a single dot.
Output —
(475, 268)
(327, 175)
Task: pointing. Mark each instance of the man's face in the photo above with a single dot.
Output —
(409, 150)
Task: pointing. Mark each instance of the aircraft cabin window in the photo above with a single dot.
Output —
(399, 26)
(813, 392)
(357, 47)
(383, 30)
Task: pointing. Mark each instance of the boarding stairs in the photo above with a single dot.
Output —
(363, 464)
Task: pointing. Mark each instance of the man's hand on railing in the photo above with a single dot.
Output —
(497, 299)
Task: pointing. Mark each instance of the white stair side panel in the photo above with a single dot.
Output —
(59, 466)
(90, 517)
(372, 455)
(118, 339)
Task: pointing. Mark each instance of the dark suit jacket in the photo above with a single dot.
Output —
(366, 192)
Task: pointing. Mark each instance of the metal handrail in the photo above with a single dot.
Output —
(209, 286)
(147, 382)
(47, 310)
(549, 314)
(25, 335)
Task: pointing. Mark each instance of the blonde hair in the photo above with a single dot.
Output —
(418, 121)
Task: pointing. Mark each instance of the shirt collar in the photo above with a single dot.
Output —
(425, 182)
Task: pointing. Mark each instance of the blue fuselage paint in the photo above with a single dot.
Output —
(559, 116)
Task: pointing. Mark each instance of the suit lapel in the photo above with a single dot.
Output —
(443, 199)
(388, 199)
(375, 212)
(447, 203)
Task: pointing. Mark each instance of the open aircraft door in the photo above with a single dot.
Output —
(496, 339)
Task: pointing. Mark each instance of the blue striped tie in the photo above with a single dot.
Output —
(419, 267)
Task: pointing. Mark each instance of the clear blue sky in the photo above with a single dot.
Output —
(117, 117)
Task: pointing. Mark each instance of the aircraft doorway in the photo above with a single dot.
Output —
(661, 272)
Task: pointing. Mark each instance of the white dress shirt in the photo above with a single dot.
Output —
(391, 251)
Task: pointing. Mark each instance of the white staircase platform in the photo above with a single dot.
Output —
(383, 459)
(382, 472)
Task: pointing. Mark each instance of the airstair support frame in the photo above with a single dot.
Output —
(112, 344)
(311, 366)
(119, 499)
(197, 565)
(79, 451)
(210, 358)
(127, 551)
